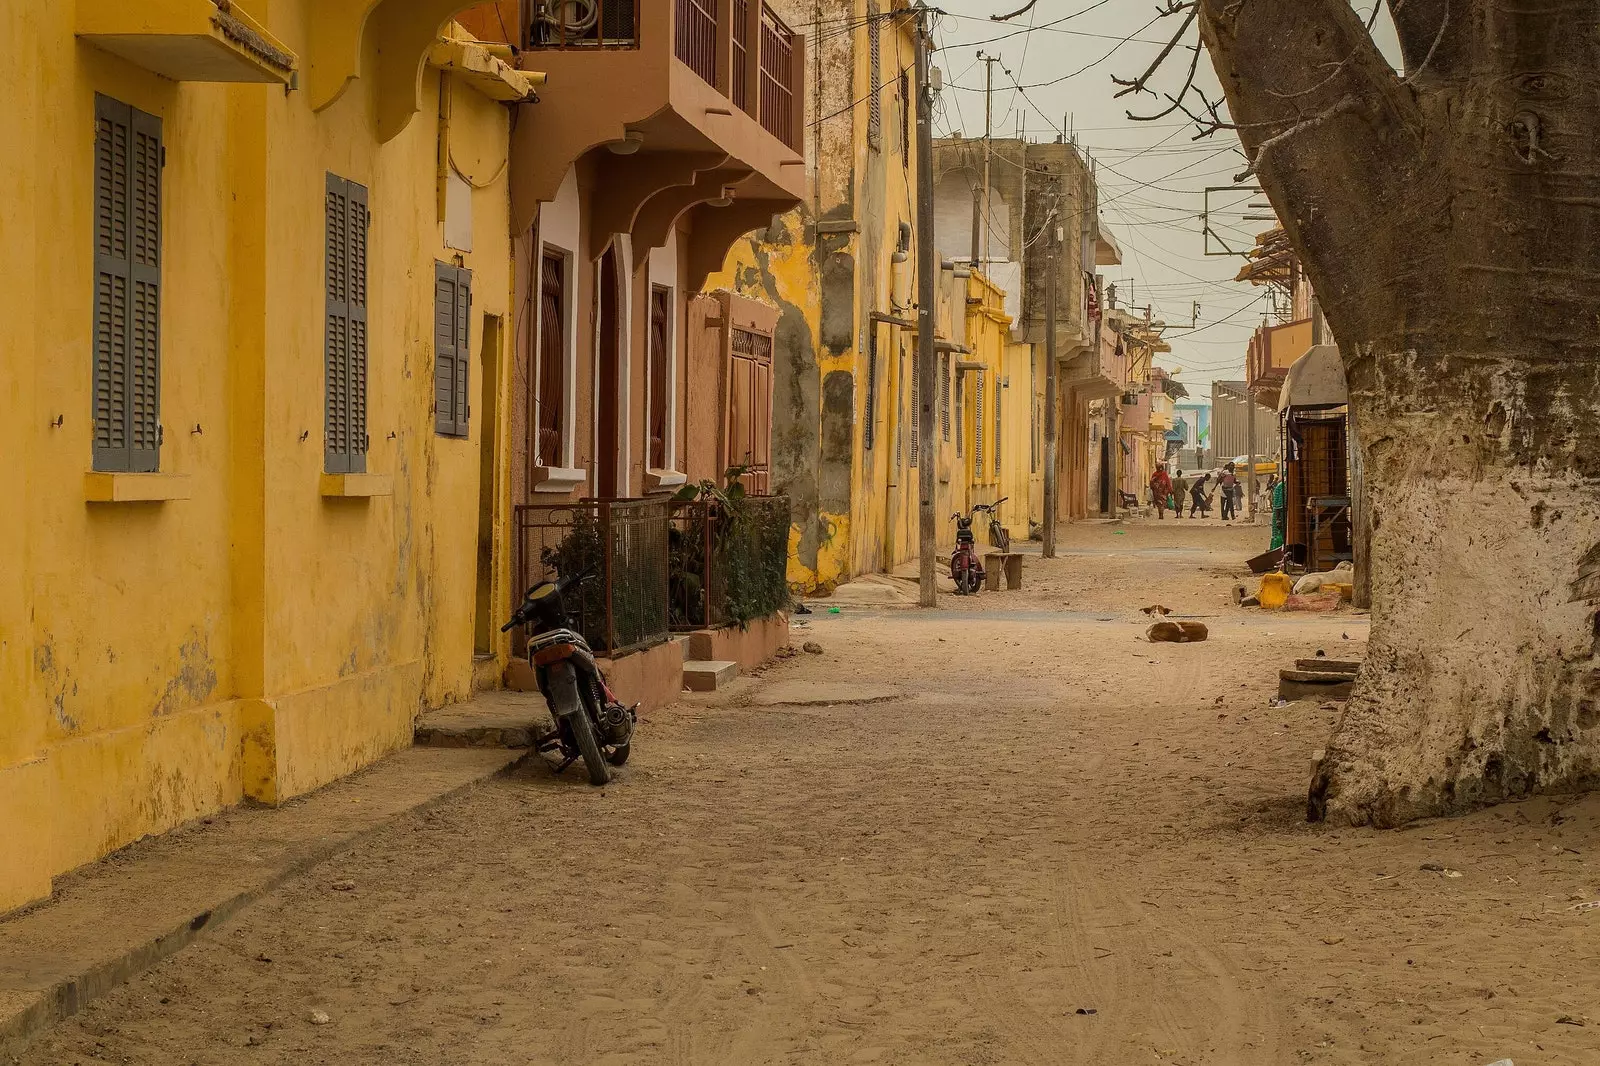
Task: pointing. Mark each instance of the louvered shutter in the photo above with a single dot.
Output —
(977, 433)
(345, 337)
(463, 408)
(127, 297)
(916, 411)
(452, 302)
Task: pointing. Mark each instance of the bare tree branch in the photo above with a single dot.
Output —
(1137, 85)
(1023, 10)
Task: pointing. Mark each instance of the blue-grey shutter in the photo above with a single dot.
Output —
(463, 346)
(336, 350)
(444, 349)
(452, 302)
(127, 296)
(360, 221)
(345, 337)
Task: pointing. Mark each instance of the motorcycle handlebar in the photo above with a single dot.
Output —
(520, 616)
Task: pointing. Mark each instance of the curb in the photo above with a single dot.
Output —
(67, 996)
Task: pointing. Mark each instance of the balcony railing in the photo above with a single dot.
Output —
(777, 79)
(696, 37)
(624, 542)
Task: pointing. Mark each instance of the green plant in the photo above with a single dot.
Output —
(749, 546)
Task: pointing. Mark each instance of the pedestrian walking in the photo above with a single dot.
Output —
(1198, 504)
(1161, 492)
(1180, 494)
(1228, 482)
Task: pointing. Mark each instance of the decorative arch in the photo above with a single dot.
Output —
(401, 32)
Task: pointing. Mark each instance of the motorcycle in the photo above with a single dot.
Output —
(590, 722)
(966, 570)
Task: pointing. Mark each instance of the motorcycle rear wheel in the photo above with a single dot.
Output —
(589, 748)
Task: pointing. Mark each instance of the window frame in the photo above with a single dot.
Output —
(136, 446)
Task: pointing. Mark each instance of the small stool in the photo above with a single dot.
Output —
(995, 562)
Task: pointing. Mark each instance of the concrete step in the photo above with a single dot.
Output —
(708, 676)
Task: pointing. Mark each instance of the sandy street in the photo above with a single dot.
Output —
(1032, 838)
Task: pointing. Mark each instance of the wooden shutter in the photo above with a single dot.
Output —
(660, 316)
(999, 403)
(750, 408)
(552, 397)
(944, 396)
(977, 431)
(916, 411)
(961, 414)
(127, 297)
(345, 334)
(874, 75)
(869, 431)
(452, 318)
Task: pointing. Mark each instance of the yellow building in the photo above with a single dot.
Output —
(841, 269)
(257, 297)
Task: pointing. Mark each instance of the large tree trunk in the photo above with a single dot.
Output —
(1450, 220)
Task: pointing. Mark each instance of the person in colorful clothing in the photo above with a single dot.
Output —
(1161, 491)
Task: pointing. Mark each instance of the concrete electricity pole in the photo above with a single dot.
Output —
(927, 359)
(988, 154)
(1051, 487)
(1250, 480)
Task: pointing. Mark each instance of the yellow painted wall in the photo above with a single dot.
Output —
(160, 660)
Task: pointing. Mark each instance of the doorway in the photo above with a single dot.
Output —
(488, 486)
(608, 381)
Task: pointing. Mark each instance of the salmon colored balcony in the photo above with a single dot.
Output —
(1273, 350)
(711, 91)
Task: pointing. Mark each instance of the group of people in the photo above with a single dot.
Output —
(1170, 493)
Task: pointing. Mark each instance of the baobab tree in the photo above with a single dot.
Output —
(1448, 215)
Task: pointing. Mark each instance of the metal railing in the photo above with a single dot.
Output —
(777, 79)
(740, 81)
(728, 564)
(695, 37)
(625, 542)
(581, 23)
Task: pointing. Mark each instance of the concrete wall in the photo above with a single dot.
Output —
(159, 660)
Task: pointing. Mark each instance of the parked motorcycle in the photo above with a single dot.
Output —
(590, 722)
(966, 569)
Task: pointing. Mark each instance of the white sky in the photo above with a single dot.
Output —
(1152, 175)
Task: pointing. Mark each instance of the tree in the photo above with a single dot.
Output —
(1449, 218)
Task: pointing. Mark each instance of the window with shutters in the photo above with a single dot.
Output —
(944, 396)
(452, 315)
(551, 397)
(995, 445)
(345, 336)
(978, 429)
(905, 119)
(660, 355)
(1033, 431)
(916, 411)
(870, 429)
(875, 78)
(127, 288)
(961, 415)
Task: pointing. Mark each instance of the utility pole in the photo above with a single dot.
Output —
(1051, 487)
(988, 153)
(927, 359)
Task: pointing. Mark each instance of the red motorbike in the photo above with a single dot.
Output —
(966, 569)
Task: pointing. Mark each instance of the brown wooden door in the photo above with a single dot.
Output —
(749, 425)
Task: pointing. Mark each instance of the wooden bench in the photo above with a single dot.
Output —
(994, 563)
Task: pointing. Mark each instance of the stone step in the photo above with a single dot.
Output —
(1335, 666)
(703, 676)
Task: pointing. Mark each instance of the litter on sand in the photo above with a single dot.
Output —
(1591, 905)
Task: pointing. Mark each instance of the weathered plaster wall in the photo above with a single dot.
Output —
(254, 638)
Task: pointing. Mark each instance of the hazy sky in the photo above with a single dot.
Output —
(1152, 175)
